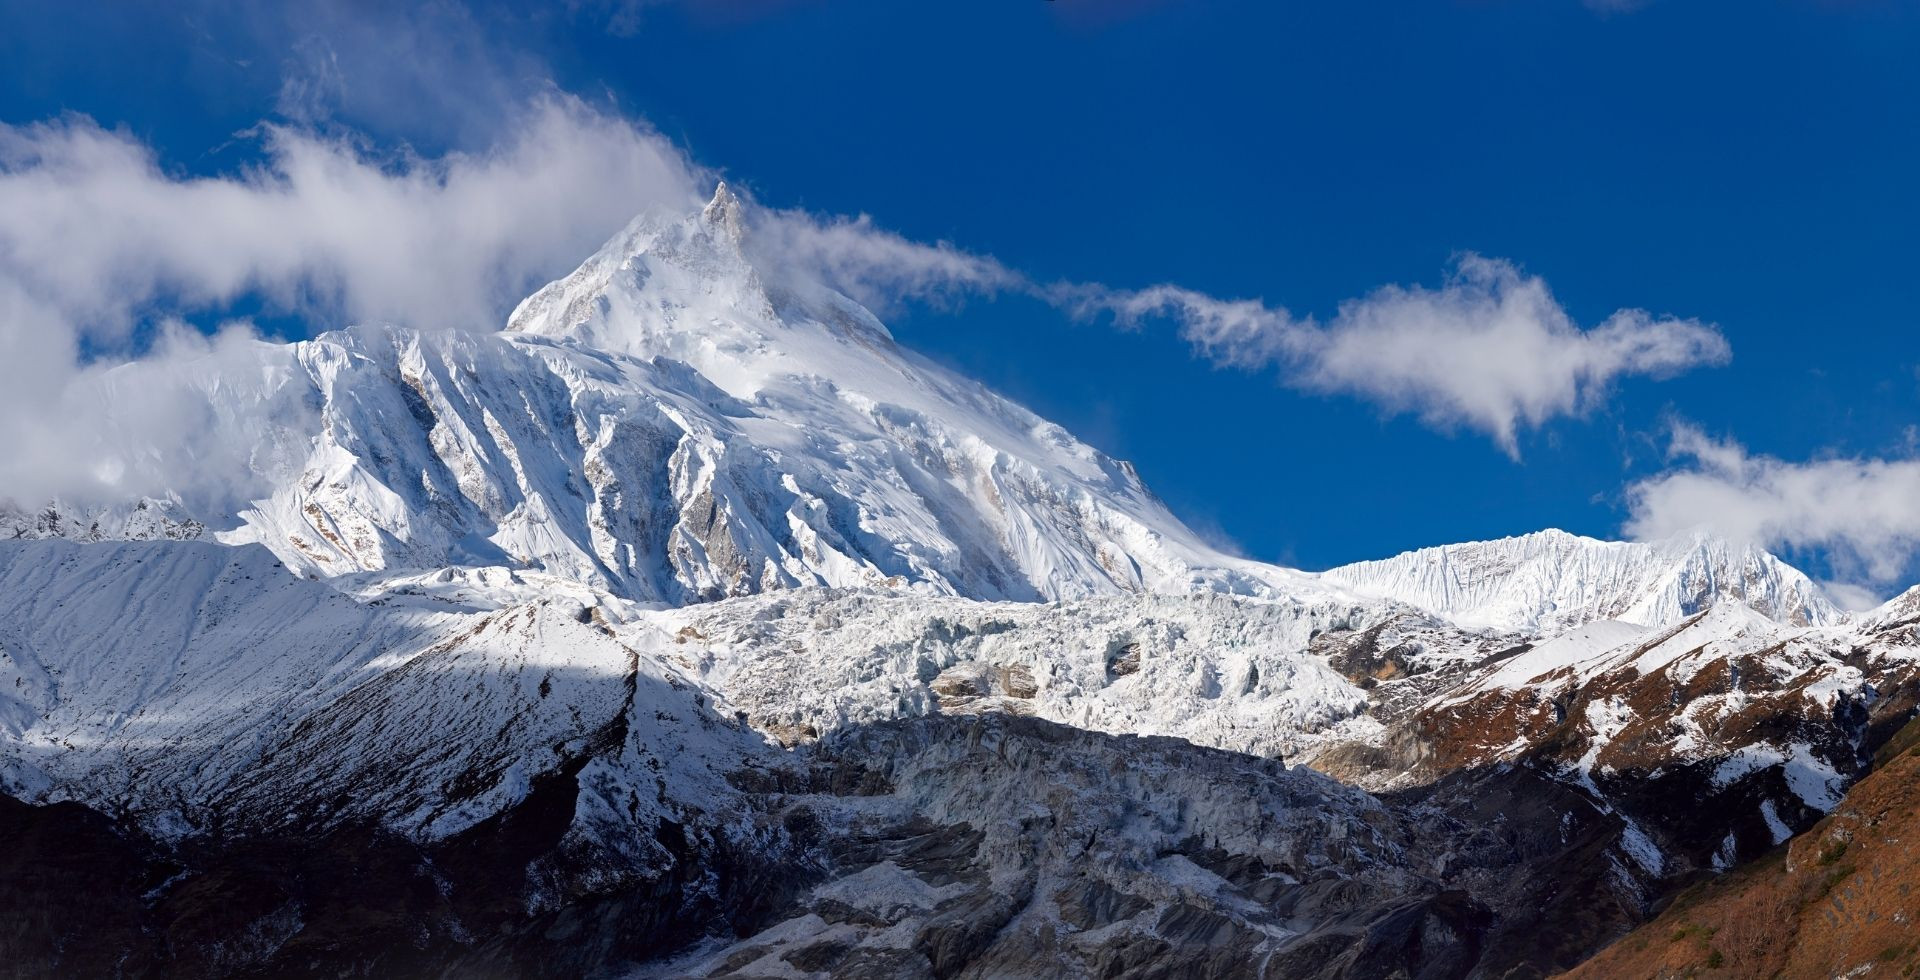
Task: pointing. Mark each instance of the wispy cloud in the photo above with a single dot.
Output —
(1490, 350)
(96, 235)
(873, 265)
(437, 73)
(625, 18)
(94, 226)
(1864, 513)
(98, 238)
(1615, 6)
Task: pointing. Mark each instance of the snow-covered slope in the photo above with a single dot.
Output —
(1550, 581)
(181, 684)
(200, 690)
(168, 681)
(487, 772)
(670, 423)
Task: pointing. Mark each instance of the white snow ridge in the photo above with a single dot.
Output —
(1550, 581)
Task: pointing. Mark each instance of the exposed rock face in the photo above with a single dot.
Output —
(990, 846)
(1839, 900)
(993, 846)
(1712, 740)
(1059, 852)
(513, 896)
(1000, 846)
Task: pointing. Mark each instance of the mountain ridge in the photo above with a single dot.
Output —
(1549, 581)
(693, 626)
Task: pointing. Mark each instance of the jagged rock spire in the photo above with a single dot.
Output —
(724, 211)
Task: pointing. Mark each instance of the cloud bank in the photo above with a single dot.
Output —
(1490, 350)
(1864, 513)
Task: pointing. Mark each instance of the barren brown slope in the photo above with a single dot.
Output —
(1841, 900)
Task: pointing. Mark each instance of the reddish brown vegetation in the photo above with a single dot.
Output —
(1842, 899)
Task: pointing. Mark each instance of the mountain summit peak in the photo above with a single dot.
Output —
(724, 211)
(665, 280)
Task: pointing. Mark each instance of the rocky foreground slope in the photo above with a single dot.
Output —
(200, 743)
(693, 628)
(1840, 900)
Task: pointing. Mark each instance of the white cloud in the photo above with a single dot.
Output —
(108, 432)
(874, 266)
(1864, 513)
(92, 225)
(1490, 350)
(1851, 596)
(97, 237)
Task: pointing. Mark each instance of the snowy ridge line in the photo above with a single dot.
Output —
(1548, 582)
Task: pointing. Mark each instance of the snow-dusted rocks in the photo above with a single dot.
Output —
(1217, 670)
(1713, 737)
(1550, 581)
(1001, 846)
(145, 519)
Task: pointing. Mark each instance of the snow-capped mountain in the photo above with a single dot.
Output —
(1550, 581)
(692, 625)
(681, 420)
(673, 423)
(628, 754)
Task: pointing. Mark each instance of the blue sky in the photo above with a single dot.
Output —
(1747, 166)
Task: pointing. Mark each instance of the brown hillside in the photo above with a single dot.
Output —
(1841, 900)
